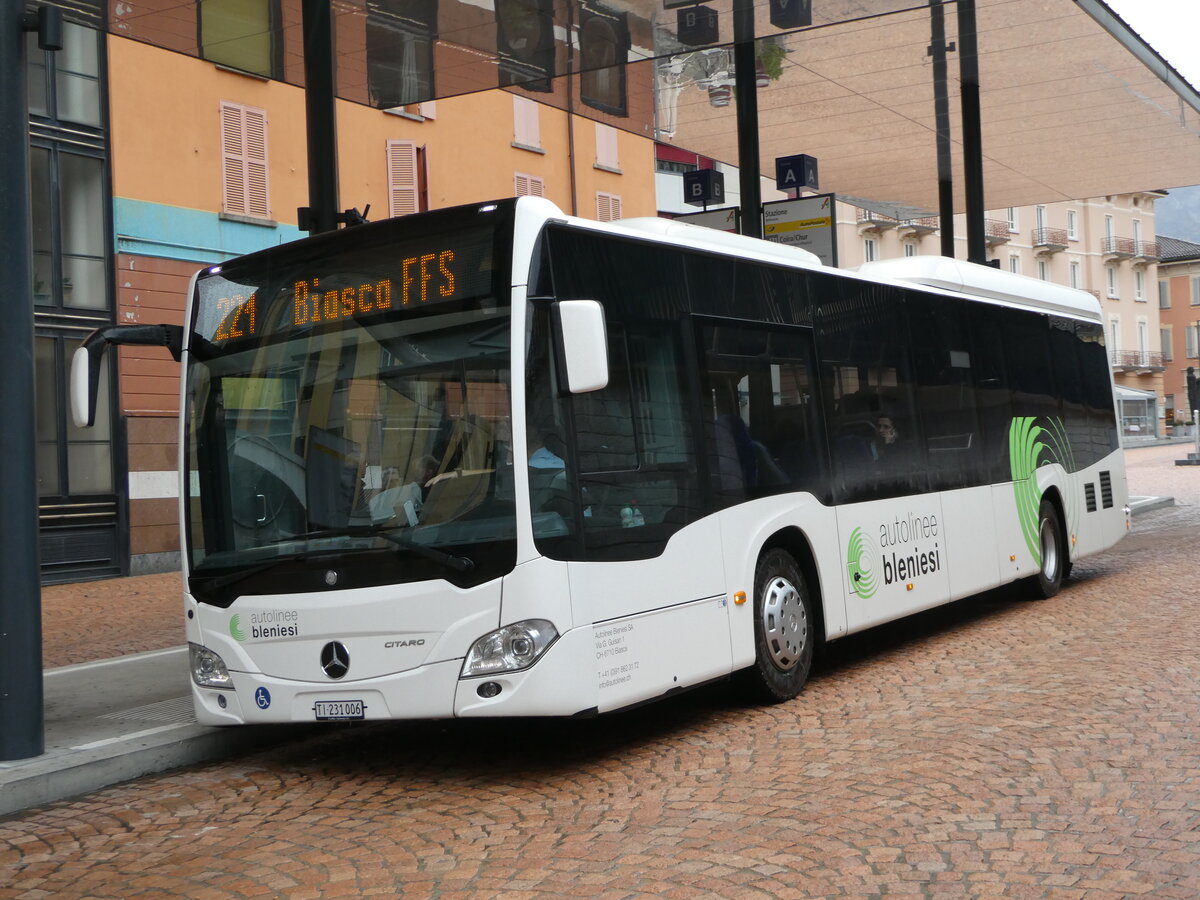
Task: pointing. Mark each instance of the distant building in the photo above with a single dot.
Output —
(1179, 321)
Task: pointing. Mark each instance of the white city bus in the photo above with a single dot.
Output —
(498, 461)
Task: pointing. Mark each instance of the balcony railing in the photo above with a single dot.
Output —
(1147, 250)
(1049, 240)
(925, 225)
(1119, 247)
(1137, 359)
(869, 220)
(995, 231)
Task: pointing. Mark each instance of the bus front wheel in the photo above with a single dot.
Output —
(783, 628)
(1054, 552)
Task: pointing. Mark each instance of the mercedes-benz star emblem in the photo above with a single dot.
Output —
(335, 659)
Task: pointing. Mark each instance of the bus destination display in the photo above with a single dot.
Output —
(378, 279)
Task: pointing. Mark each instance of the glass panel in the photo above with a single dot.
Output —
(46, 415)
(78, 99)
(84, 283)
(39, 201)
(82, 181)
(237, 33)
(36, 73)
(89, 468)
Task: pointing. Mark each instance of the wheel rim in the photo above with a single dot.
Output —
(784, 623)
(1049, 550)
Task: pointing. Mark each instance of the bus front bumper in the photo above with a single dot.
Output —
(563, 682)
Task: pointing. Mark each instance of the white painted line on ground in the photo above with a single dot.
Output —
(129, 737)
(116, 660)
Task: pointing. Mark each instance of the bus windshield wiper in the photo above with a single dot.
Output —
(449, 560)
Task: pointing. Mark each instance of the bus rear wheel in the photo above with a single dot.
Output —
(1054, 552)
(783, 628)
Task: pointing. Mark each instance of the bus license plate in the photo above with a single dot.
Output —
(338, 710)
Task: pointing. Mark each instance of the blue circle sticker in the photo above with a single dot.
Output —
(262, 697)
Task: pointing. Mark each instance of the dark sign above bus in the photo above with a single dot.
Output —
(361, 274)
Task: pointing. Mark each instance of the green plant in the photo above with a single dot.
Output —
(771, 56)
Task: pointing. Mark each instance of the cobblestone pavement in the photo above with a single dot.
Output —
(996, 748)
(103, 619)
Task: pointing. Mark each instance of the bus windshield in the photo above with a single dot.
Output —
(348, 415)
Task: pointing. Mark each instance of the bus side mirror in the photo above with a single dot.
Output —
(85, 364)
(584, 344)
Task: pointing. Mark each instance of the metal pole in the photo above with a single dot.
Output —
(938, 49)
(747, 116)
(968, 61)
(21, 715)
(320, 117)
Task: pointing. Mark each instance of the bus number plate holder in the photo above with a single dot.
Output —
(339, 710)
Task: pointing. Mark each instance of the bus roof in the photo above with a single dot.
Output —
(941, 273)
(975, 280)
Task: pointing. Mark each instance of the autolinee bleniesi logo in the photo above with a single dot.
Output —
(907, 549)
(1029, 447)
(266, 624)
(862, 560)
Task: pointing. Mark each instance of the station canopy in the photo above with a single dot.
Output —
(1073, 103)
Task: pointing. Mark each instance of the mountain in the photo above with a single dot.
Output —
(1178, 214)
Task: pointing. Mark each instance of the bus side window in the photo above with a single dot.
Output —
(945, 391)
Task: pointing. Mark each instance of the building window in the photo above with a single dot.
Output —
(1012, 219)
(870, 250)
(65, 85)
(528, 185)
(1108, 227)
(1014, 264)
(608, 206)
(1076, 280)
(1189, 338)
(1196, 291)
(240, 34)
(68, 200)
(1072, 225)
(1110, 274)
(1040, 217)
(1043, 270)
(603, 48)
(525, 40)
(606, 147)
(406, 178)
(910, 249)
(1164, 338)
(1164, 295)
(244, 161)
(527, 132)
(1139, 285)
(400, 38)
(1114, 336)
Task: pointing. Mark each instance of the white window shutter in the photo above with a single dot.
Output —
(526, 128)
(245, 170)
(428, 109)
(528, 185)
(258, 202)
(606, 146)
(233, 164)
(403, 192)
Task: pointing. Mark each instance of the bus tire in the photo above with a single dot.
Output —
(1054, 552)
(783, 628)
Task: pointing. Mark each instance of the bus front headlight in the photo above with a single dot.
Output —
(510, 649)
(208, 669)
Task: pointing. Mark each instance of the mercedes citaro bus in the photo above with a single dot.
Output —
(500, 461)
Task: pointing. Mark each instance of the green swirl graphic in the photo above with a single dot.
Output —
(235, 628)
(861, 559)
(1031, 446)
